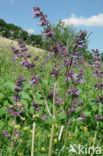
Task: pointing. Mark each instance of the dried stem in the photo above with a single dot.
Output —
(33, 134)
(45, 100)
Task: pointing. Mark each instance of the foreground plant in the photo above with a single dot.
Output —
(15, 110)
(60, 51)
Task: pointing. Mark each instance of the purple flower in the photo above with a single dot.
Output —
(36, 106)
(14, 50)
(55, 72)
(58, 101)
(67, 62)
(36, 58)
(18, 89)
(44, 117)
(80, 39)
(15, 110)
(17, 133)
(97, 117)
(71, 75)
(24, 49)
(99, 86)
(98, 74)
(70, 111)
(100, 99)
(6, 134)
(16, 97)
(59, 48)
(74, 92)
(35, 79)
(83, 116)
(37, 12)
(44, 21)
(76, 103)
(48, 32)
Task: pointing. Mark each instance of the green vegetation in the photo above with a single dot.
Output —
(15, 32)
(76, 133)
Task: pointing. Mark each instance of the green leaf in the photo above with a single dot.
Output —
(2, 97)
(31, 110)
(50, 121)
(10, 86)
(24, 95)
(87, 113)
(61, 116)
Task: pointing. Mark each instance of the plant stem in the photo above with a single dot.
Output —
(45, 100)
(54, 116)
(51, 140)
(33, 133)
(12, 144)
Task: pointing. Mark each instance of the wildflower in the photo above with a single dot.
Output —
(44, 117)
(71, 136)
(49, 135)
(70, 111)
(34, 79)
(43, 20)
(36, 58)
(19, 154)
(43, 149)
(17, 126)
(14, 50)
(26, 128)
(85, 129)
(15, 110)
(6, 134)
(59, 48)
(37, 12)
(17, 133)
(48, 32)
(55, 140)
(76, 103)
(56, 125)
(36, 115)
(97, 117)
(74, 92)
(23, 119)
(37, 107)
(80, 39)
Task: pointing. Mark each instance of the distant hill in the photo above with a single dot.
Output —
(14, 32)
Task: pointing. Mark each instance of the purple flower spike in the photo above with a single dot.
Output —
(48, 32)
(37, 12)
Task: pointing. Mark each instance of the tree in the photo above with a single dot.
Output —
(67, 35)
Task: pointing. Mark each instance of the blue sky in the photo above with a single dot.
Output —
(83, 14)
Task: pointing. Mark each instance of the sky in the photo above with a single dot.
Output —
(82, 14)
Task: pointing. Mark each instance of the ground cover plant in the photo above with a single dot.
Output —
(51, 105)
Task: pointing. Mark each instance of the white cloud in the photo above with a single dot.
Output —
(30, 31)
(95, 20)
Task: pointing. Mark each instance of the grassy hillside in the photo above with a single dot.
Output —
(9, 70)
